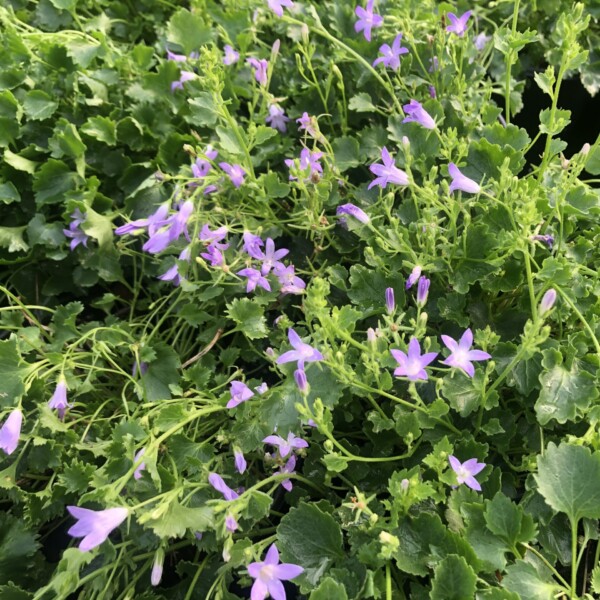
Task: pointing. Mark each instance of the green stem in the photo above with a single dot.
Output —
(532, 300)
(388, 582)
(509, 64)
(573, 559)
(581, 318)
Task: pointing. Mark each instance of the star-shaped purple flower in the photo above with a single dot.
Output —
(417, 114)
(286, 445)
(277, 6)
(367, 20)
(462, 355)
(260, 69)
(290, 282)
(460, 182)
(465, 472)
(277, 118)
(308, 160)
(240, 392)
(255, 278)
(271, 256)
(95, 525)
(289, 467)
(458, 24)
(183, 77)
(387, 172)
(236, 173)
(302, 352)
(231, 56)
(77, 235)
(269, 574)
(390, 56)
(412, 365)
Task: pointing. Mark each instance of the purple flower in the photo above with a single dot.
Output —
(301, 382)
(289, 467)
(354, 211)
(387, 172)
(253, 244)
(173, 274)
(137, 474)
(255, 278)
(260, 69)
(465, 472)
(240, 461)
(217, 482)
(302, 352)
(417, 114)
(214, 254)
(461, 353)
(432, 92)
(547, 239)
(412, 365)
(11, 431)
(390, 57)
(390, 302)
(277, 118)
(184, 76)
(59, 398)
(271, 256)
(231, 56)
(422, 290)
(458, 24)
(176, 57)
(481, 41)
(213, 237)
(176, 224)
(154, 222)
(263, 388)
(290, 282)
(202, 166)
(413, 277)
(286, 446)
(95, 525)
(367, 20)
(460, 182)
(269, 574)
(547, 301)
(277, 6)
(240, 392)
(236, 173)
(77, 235)
(308, 160)
(230, 523)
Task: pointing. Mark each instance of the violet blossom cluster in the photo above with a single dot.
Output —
(74, 232)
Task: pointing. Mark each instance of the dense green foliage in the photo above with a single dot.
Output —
(90, 125)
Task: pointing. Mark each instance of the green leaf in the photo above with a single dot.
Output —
(554, 126)
(52, 181)
(311, 538)
(569, 480)
(361, 103)
(508, 521)
(102, 129)
(11, 592)
(19, 162)
(64, 4)
(368, 288)
(39, 105)
(203, 110)
(546, 81)
(264, 134)
(13, 371)
(336, 463)
(11, 238)
(329, 589)
(188, 30)
(523, 579)
(98, 227)
(347, 153)
(17, 545)
(249, 316)
(9, 193)
(565, 394)
(162, 372)
(453, 579)
(174, 519)
(464, 394)
(229, 141)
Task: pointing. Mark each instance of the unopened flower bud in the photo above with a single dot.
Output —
(304, 31)
(404, 484)
(387, 539)
(275, 48)
(157, 567)
(371, 336)
(390, 302)
(422, 290)
(328, 444)
(585, 150)
(547, 301)
(405, 141)
(301, 381)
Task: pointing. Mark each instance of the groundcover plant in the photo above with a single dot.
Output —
(291, 307)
